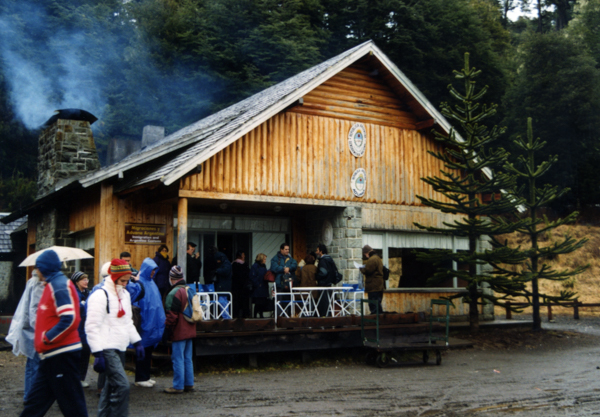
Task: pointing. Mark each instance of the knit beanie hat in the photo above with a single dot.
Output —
(48, 263)
(118, 268)
(366, 249)
(176, 273)
(78, 276)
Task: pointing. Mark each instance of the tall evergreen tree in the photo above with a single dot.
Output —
(535, 198)
(465, 182)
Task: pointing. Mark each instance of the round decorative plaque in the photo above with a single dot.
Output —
(358, 182)
(327, 233)
(357, 139)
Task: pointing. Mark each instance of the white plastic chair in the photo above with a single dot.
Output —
(286, 303)
(346, 301)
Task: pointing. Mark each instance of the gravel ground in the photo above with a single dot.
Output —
(508, 372)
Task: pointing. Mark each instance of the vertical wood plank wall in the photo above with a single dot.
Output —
(114, 213)
(297, 155)
(304, 152)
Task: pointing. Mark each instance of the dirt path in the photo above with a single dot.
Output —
(553, 373)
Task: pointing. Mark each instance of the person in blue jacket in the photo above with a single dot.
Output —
(223, 273)
(282, 264)
(152, 322)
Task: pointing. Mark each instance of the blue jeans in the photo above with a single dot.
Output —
(31, 368)
(183, 364)
(114, 400)
(57, 380)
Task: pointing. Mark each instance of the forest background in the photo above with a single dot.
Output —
(173, 62)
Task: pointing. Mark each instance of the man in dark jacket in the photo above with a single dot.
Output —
(240, 291)
(193, 263)
(282, 264)
(326, 274)
(181, 333)
(223, 273)
(161, 278)
(373, 272)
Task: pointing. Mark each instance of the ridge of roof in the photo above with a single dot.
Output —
(217, 124)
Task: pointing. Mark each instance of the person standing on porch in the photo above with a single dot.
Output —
(373, 272)
(181, 333)
(222, 273)
(281, 264)
(193, 264)
(240, 291)
(161, 278)
(326, 273)
(57, 343)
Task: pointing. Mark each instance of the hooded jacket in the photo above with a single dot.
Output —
(151, 308)
(223, 273)
(22, 326)
(104, 329)
(58, 312)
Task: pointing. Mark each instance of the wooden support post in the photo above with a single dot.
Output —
(508, 311)
(305, 357)
(182, 235)
(549, 312)
(576, 309)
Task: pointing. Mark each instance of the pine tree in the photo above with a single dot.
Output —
(539, 197)
(467, 178)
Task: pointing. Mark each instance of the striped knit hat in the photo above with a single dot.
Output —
(176, 273)
(78, 276)
(118, 268)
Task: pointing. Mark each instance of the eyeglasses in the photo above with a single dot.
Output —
(84, 279)
(165, 250)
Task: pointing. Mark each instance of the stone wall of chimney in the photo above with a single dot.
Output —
(66, 150)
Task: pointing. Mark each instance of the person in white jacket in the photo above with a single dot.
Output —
(109, 328)
(22, 326)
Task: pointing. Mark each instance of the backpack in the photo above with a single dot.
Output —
(192, 311)
(386, 273)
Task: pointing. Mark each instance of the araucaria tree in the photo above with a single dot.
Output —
(474, 191)
(536, 197)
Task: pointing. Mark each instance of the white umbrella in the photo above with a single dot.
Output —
(64, 253)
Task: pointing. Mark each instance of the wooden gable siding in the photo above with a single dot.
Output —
(303, 156)
(355, 95)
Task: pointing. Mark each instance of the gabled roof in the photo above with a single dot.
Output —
(199, 141)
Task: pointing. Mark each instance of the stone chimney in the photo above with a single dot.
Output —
(152, 134)
(66, 149)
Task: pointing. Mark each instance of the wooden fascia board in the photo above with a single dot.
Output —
(251, 198)
(186, 167)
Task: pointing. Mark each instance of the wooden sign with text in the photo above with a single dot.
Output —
(146, 234)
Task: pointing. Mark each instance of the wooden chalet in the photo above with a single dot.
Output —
(334, 154)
